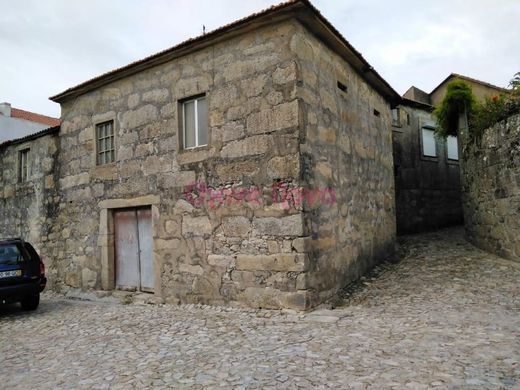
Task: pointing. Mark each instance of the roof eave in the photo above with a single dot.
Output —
(416, 104)
(302, 10)
(30, 137)
(272, 15)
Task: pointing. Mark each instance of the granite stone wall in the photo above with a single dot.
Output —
(28, 208)
(217, 234)
(346, 149)
(491, 189)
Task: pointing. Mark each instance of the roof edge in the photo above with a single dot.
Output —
(182, 48)
(467, 78)
(279, 12)
(416, 104)
(30, 137)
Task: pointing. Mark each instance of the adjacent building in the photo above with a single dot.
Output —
(251, 165)
(427, 172)
(16, 123)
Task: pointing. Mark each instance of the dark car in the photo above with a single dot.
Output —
(22, 274)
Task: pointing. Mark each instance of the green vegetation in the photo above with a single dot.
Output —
(459, 100)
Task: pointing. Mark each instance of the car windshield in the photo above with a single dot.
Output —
(10, 255)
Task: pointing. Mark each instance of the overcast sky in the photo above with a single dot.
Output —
(48, 46)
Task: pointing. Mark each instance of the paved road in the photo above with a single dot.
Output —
(446, 316)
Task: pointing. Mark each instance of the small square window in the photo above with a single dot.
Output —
(105, 143)
(453, 148)
(194, 122)
(429, 148)
(396, 117)
(24, 165)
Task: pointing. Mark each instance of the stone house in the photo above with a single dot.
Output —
(427, 172)
(251, 165)
(27, 186)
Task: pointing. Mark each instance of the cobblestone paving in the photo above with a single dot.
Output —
(446, 316)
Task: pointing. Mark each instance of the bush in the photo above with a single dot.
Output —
(459, 99)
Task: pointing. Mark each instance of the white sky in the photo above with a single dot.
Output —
(48, 46)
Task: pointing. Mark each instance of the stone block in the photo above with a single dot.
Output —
(139, 117)
(236, 226)
(279, 117)
(250, 146)
(302, 244)
(88, 278)
(285, 226)
(221, 261)
(196, 226)
(284, 167)
(75, 180)
(289, 262)
(159, 95)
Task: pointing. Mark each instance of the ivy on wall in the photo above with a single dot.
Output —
(459, 100)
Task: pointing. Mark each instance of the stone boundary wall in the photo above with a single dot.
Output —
(491, 189)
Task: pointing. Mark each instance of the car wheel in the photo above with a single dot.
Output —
(30, 302)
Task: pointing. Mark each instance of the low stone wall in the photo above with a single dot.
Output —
(491, 189)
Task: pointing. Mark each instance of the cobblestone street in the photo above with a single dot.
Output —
(447, 315)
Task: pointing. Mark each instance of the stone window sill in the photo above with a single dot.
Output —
(193, 155)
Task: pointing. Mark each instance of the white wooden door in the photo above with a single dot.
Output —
(133, 250)
(144, 228)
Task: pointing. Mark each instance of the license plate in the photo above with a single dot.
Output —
(10, 274)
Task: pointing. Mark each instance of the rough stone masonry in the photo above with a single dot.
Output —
(491, 188)
(292, 198)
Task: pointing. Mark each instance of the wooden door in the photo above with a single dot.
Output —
(144, 229)
(133, 250)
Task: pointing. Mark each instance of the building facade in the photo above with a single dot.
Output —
(252, 165)
(427, 171)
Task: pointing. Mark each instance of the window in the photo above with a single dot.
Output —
(105, 143)
(194, 123)
(24, 165)
(453, 147)
(10, 255)
(396, 117)
(408, 119)
(428, 142)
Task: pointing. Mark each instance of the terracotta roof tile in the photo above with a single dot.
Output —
(34, 117)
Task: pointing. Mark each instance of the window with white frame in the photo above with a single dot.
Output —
(105, 143)
(24, 164)
(194, 122)
(429, 148)
(453, 147)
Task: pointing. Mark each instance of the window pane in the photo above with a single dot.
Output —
(453, 148)
(202, 118)
(189, 124)
(428, 140)
(24, 165)
(110, 129)
(396, 117)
